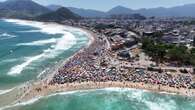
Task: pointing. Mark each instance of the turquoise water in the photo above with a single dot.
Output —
(26, 51)
(110, 99)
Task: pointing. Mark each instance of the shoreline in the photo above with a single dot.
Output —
(45, 89)
(49, 75)
(40, 91)
(60, 63)
(54, 70)
(42, 88)
(90, 41)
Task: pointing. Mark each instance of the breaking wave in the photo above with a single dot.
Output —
(4, 36)
(22, 103)
(133, 95)
(59, 45)
(19, 68)
(39, 42)
(5, 91)
(9, 60)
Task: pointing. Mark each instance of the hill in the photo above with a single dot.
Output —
(58, 15)
(177, 11)
(89, 13)
(120, 10)
(80, 11)
(54, 7)
(21, 9)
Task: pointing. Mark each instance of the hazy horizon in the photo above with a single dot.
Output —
(105, 5)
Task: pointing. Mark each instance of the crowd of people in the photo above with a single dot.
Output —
(165, 79)
(94, 63)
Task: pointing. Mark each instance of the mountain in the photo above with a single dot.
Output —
(120, 10)
(158, 12)
(178, 11)
(80, 11)
(87, 12)
(54, 7)
(30, 9)
(21, 9)
(58, 15)
(185, 10)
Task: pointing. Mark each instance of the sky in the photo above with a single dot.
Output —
(105, 5)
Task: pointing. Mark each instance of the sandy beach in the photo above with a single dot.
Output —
(43, 82)
(43, 87)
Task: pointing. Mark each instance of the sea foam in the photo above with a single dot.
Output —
(9, 60)
(58, 46)
(22, 103)
(19, 68)
(133, 94)
(4, 36)
(6, 91)
(39, 42)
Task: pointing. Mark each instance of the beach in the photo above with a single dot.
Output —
(39, 90)
(49, 51)
(95, 50)
(44, 87)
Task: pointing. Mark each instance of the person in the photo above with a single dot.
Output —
(193, 70)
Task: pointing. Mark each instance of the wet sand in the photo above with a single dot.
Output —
(41, 89)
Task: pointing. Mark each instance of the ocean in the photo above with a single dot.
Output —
(28, 50)
(108, 99)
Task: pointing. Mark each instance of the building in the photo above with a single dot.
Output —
(194, 41)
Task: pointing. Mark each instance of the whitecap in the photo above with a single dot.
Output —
(22, 103)
(29, 31)
(9, 60)
(168, 105)
(62, 44)
(29, 101)
(5, 91)
(58, 46)
(19, 68)
(40, 74)
(157, 105)
(49, 28)
(4, 36)
(39, 42)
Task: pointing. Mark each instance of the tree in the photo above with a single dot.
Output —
(168, 52)
(160, 52)
(192, 51)
(156, 50)
(178, 53)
